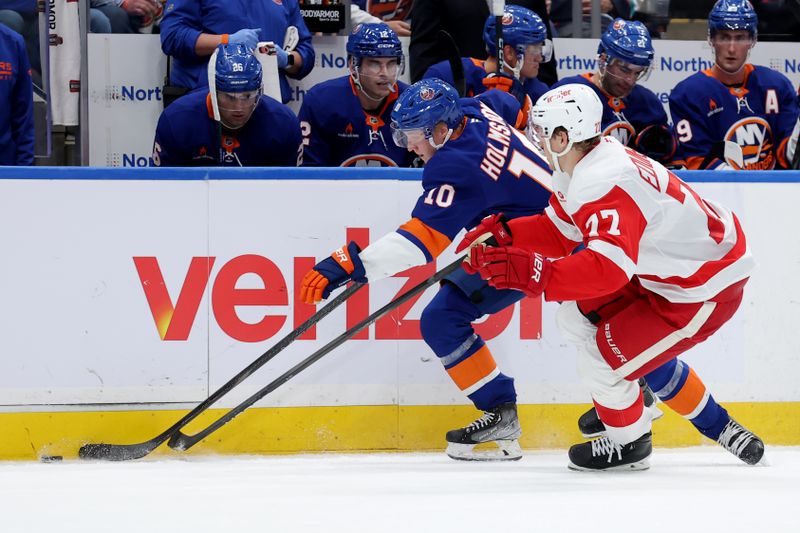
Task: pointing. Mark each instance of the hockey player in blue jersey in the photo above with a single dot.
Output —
(751, 105)
(231, 124)
(345, 121)
(16, 95)
(475, 165)
(631, 113)
(525, 47)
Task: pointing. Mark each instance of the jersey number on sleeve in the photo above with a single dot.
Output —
(678, 189)
(441, 196)
(593, 222)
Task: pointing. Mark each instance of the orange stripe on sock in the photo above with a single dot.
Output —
(433, 240)
(689, 397)
(473, 369)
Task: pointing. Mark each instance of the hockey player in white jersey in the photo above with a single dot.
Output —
(662, 269)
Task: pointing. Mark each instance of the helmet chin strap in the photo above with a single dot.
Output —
(446, 138)
(556, 155)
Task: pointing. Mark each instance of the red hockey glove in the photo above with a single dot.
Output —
(512, 268)
(492, 226)
(342, 266)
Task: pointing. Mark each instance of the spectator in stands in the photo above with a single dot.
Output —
(345, 121)
(751, 105)
(525, 48)
(123, 16)
(561, 15)
(631, 113)
(16, 96)
(395, 13)
(192, 29)
(466, 28)
(231, 123)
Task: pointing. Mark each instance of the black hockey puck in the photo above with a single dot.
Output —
(51, 458)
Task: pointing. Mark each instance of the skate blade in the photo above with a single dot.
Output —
(506, 450)
(644, 464)
(655, 414)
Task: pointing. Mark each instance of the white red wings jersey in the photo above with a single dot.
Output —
(636, 213)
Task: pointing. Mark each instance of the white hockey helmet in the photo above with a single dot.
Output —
(574, 107)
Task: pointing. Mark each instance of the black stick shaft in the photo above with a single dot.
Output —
(180, 441)
(123, 452)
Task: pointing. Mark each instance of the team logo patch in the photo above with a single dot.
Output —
(619, 23)
(355, 30)
(427, 93)
(754, 135)
(622, 131)
(508, 19)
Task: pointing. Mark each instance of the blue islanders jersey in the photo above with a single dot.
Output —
(188, 136)
(624, 118)
(489, 168)
(474, 72)
(758, 115)
(338, 132)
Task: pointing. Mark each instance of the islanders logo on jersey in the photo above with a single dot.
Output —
(754, 135)
(368, 160)
(621, 130)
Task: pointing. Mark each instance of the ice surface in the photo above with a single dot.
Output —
(693, 489)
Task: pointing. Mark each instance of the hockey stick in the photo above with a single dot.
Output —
(180, 441)
(727, 151)
(498, 9)
(448, 44)
(125, 452)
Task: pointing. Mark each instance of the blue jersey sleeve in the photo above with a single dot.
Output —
(22, 110)
(316, 148)
(180, 28)
(304, 46)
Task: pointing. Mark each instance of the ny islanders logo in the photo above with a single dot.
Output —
(755, 137)
(621, 130)
(427, 93)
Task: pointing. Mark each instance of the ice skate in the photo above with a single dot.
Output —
(603, 454)
(591, 426)
(742, 443)
(499, 426)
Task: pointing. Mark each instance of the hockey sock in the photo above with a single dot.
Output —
(678, 386)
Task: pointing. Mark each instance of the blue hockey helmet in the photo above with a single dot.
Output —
(732, 15)
(422, 106)
(374, 40)
(627, 41)
(521, 27)
(236, 69)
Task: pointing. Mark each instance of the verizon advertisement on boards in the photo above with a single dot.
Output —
(143, 291)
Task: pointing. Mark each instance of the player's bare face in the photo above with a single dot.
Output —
(620, 77)
(731, 48)
(235, 109)
(378, 75)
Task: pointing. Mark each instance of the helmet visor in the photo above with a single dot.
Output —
(626, 71)
(238, 101)
(543, 52)
(406, 138)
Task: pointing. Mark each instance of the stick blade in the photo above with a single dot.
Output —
(733, 154)
(115, 452)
